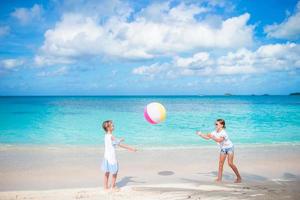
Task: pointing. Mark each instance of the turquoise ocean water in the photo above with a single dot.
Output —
(77, 120)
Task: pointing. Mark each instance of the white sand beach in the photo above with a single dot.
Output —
(33, 172)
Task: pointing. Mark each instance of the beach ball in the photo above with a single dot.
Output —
(155, 113)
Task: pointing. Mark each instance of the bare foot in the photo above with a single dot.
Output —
(218, 180)
(115, 189)
(238, 180)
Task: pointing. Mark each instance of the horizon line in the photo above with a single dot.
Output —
(152, 95)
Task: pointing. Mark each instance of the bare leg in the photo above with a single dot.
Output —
(113, 181)
(234, 168)
(221, 164)
(105, 183)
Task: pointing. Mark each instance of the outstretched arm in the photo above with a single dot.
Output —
(122, 145)
(129, 148)
(204, 136)
(220, 139)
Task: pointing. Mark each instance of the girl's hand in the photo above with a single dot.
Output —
(127, 147)
(204, 136)
(199, 133)
(122, 139)
(209, 135)
(133, 150)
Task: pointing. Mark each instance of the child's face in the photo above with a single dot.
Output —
(111, 127)
(218, 125)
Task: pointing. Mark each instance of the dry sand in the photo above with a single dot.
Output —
(33, 172)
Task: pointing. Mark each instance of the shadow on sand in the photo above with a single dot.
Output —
(126, 180)
(230, 176)
(165, 173)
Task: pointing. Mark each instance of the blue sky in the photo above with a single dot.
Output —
(111, 47)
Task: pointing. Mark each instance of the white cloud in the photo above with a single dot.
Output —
(59, 72)
(162, 12)
(288, 29)
(201, 57)
(239, 62)
(26, 15)
(267, 58)
(4, 30)
(11, 63)
(157, 30)
(95, 8)
(41, 61)
(149, 70)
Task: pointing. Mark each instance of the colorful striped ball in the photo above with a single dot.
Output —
(155, 113)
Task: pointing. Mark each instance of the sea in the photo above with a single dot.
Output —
(77, 120)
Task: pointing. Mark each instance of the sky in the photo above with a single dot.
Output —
(112, 47)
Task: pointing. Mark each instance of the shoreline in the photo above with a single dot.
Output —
(4, 146)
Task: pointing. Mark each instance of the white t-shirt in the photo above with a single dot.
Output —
(109, 152)
(226, 142)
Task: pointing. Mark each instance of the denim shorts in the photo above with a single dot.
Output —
(227, 151)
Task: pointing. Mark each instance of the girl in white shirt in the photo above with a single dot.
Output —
(110, 164)
(226, 148)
